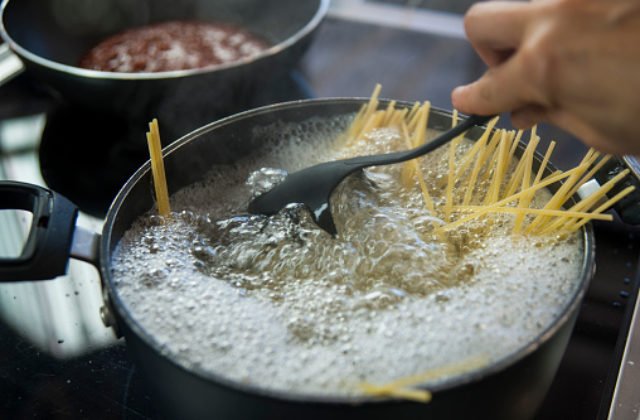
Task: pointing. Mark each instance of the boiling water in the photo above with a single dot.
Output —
(278, 303)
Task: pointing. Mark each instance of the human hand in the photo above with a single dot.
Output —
(573, 63)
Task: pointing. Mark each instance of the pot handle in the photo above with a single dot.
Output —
(628, 208)
(10, 64)
(48, 246)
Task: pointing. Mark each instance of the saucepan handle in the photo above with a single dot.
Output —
(46, 252)
(629, 207)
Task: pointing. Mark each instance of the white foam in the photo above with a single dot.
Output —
(283, 306)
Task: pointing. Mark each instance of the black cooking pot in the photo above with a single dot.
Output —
(51, 36)
(511, 388)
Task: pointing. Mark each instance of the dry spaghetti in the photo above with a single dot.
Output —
(489, 178)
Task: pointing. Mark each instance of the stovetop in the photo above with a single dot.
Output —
(57, 360)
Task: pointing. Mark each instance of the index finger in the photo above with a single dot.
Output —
(496, 27)
(503, 88)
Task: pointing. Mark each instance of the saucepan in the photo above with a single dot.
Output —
(50, 37)
(511, 388)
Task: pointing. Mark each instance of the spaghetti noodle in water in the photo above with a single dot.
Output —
(157, 169)
(439, 241)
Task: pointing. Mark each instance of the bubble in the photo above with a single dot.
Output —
(264, 179)
(277, 302)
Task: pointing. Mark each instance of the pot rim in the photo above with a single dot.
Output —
(308, 28)
(586, 273)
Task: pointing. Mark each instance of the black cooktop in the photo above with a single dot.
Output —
(103, 382)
